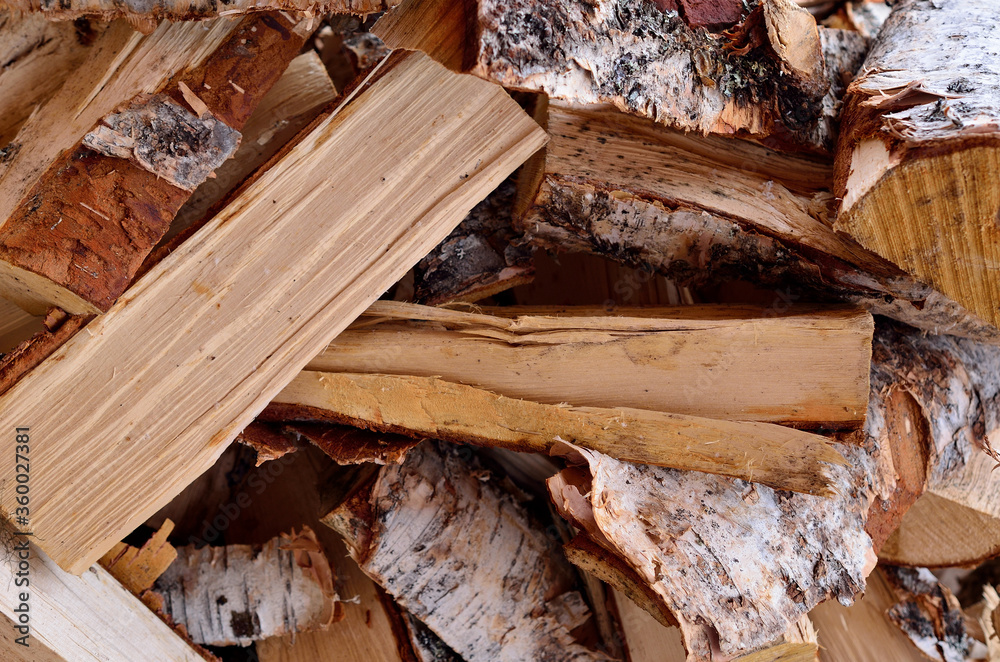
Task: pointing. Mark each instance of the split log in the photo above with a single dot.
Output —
(693, 545)
(725, 362)
(955, 387)
(444, 29)
(237, 594)
(702, 210)
(862, 632)
(436, 514)
(918, 161)
(188, 316)
(38, 56)
(480, 258)
(425, 407)
(145, 13)
(86, 196)
(138, 568)
(79, 618)
(766, 77)
(294, 101)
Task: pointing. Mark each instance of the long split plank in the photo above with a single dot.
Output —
(151, 393)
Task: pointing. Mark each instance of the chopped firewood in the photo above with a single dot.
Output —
(692, 542)
(863, 632)
(701, 210)
(480, 258)
(954, 385)
(85, 197)
(441, 28)
(77, 618)
(651, 62)
(928, 614)
(248, 310)
(865, 17)
(917, 162)
(173, 10)
(268, 442)
(38, 56)
(437, 513)
(726, 362)
(241, 593)
(423, 407)
(294, 101)
(988, 618)
(137, 568)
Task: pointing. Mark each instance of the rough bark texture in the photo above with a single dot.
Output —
(420, 530)
(765, 77)
(480, 258)
(697, 542)
(918, 159)
(241, 593)
(174, 10)
(928, 614)
(266, 440)
(82, 230)
(641, 195)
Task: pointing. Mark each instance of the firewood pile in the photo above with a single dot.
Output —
(441, 330)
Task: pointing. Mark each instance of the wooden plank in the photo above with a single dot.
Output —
(232, 312)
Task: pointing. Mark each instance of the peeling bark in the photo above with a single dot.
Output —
(138, 568)
(420, 530)
(238, 594)
(695, 542)
(928, 614)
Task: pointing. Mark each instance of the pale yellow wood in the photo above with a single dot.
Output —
(151, 393)
(646, 639)
(778, 456)
(728, 362)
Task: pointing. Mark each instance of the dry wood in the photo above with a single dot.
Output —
(351, 230)
(80, 618)
(928, 614)
(37, 57)
(85, 197)
(137, 568)
(917, 163)
(650, 62)
(16, 326)
(268, 442)
(140, 12)
(346, 445)
(695, 545)
(862, 632)
(436, 514)
(707, 209)
(427, 407)
(955, 387)
(726, 362)
(444, 29)
(294, 101)
(238, 594)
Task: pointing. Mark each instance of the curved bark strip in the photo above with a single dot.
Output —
(459, 553)
(918, 164)
(700, 210)
(956, 385)
(734, 563)
(176, 10)
(81, 213)
(766, 77)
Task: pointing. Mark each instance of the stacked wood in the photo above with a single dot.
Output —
(147, 15)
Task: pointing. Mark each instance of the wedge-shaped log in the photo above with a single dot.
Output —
(94, 178)
(147, 14)
(918, 164)
(727, 362)
(462, 555)
(695, 550)
(428, 407)
(706, 209)
(79, 618)
(221, 325)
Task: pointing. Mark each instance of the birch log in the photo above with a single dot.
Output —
(437, 513)
(700, 210)
(765, 78)
(143, 12)
(85, 197)
(726, 362)
(187, 318)
(695, 544)
(918, 160)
